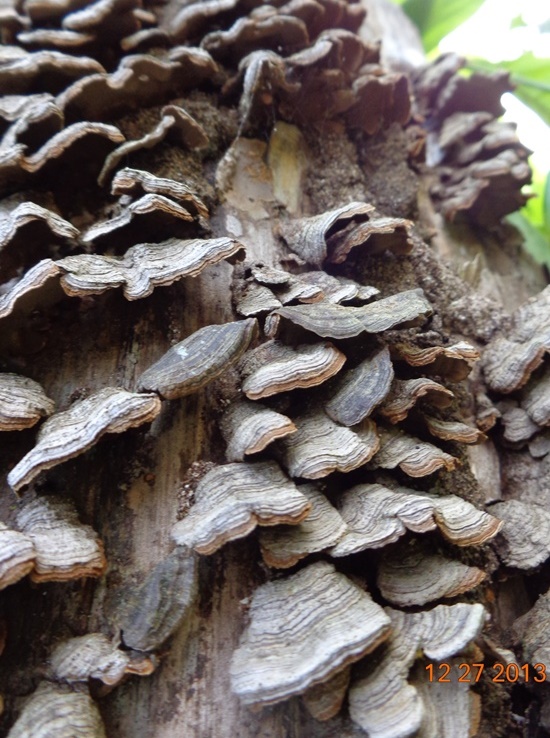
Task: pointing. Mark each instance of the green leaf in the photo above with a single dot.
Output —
(546, 203)
(436, 18)
(534, 210)
(536, 243)
(517, 22)
(531, 76)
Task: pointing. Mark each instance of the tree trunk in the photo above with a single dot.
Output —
(281, 145)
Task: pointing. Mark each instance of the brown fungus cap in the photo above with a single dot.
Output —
(512, 355)
(94, 656)
(22, 402)
(65, 548)
(283, 546)
(153, 611)
(54, 711)
(405, 393)
(320, 446)
(274, 367)
(17, 556)
(416, 458)
(249, 427)
(525, 536)
(144, 266)
(410, 576)
(231, 500)
(69, 433)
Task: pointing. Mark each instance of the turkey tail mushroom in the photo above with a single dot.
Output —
(312, 625)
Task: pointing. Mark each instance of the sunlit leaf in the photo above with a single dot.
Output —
(436, 18)
(536, 243)
(517, 22)
(546, 203)
(534, 211)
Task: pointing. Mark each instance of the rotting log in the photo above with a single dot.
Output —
(188, 167)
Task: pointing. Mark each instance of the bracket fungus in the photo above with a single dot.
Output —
(82, 135)
(416, 458)
(535, 400)
(31, 222)
(383, 703)
(94, 656)
(510, 358)
(198, 359)
(17, 556)
(525, 535)
(249, 34)
(479, 164)
(131, 181)
(283, 547)
(114, 141)
(54, 69)
(175, 122)
(54, 711)
(405, 309)
(27, 291)
(320, 446)
(308, 236)
(56, 39)
(65, 548)
(274, 367)
(231, 500)
(405, 393)
(412, 576)
(453, 430)
(140, 79)
(332, 235)
(148, 208)
(303, 630)
(39, 119)
(151, 612)
(361, 389)
(254, 299)
(453, 362)
(22, 402)
(250, 427)
(462, 523)
(376, 515)
(338, 289)
(71, 432)
(144, 266)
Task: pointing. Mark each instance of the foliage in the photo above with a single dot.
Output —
(436, 18)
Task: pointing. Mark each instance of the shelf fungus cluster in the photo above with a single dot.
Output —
(479, 161)
(384, 701)
(323, 393)
(49, 543)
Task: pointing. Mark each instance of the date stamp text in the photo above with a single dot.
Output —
(498, 672)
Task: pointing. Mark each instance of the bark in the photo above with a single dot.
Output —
(132, 487)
